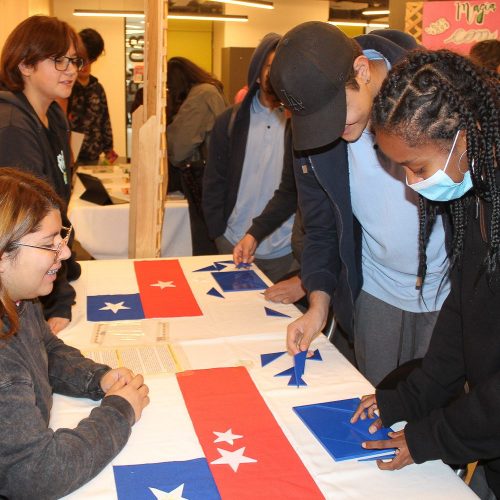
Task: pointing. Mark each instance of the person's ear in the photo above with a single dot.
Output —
(361, 67)
(26, 69)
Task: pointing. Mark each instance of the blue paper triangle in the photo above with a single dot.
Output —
(296, 381)
(215, 293)
(272, 312)
(244, 265)
(203, 269)
(316, 356)
(286, 373)
(265, 359)
(219, 266)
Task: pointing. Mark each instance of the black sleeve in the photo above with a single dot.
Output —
(215, 177)
(444, 422)
(283, 204)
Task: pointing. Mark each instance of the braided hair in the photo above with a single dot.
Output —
(429, 96)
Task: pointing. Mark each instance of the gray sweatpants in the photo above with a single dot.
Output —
(386, 337)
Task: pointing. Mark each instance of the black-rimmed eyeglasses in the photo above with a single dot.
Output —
(62, 63)
(58, 249)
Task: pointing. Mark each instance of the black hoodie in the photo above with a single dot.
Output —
(26, 144)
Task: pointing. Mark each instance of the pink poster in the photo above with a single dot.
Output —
(457, 25)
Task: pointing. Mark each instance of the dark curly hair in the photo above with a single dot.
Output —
(429, 96)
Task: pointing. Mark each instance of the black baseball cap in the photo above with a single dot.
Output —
(309, 73)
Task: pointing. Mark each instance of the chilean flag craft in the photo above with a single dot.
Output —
(246, 450)
(160, 290)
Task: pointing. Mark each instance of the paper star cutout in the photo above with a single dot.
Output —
(164, 284)
(232, 458)
(169, 495)
(226, 437)
(114, 307)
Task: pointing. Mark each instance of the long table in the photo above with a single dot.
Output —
(234, 331)
(103, 230)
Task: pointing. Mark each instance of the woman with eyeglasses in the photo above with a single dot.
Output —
(39, 63)
(35, 461)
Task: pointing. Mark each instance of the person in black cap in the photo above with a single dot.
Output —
(361, 222)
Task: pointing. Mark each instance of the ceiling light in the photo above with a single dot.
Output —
(359, 24)
(108, 13)
(208, 17)
(376, 12)
(260, 4)
(135, 13)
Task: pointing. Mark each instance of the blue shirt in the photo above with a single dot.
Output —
(260, 177)
(388, 212)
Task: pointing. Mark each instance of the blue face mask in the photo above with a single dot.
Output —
(440, 186)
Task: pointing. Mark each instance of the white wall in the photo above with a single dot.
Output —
(285, 15)
(110, 67)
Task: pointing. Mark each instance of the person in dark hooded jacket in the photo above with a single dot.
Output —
(245, 163)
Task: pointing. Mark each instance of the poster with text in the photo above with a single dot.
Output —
(459, 25)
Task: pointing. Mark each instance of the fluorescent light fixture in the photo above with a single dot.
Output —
(359, 24)
(108, 13)
(135, 13)
(376, 12)
(208, 17)
(260, 4)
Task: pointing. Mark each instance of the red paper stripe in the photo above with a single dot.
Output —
(226, 398)
(169, 301)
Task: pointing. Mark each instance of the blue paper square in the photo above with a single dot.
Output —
(239, 281)
(192, 477)
(114, 307)
(330, 424)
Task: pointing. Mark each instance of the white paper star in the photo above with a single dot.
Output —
(164, 284)
(114, 307)
(233, 458)
(226, 437)
(169, 495)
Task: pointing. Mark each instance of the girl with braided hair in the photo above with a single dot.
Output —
(437, 115)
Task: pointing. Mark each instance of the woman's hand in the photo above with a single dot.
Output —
(366, 409)
(398, 441)
(112, 376)
(135, 392)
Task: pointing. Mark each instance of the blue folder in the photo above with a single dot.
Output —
(330, 424)
(239, 281)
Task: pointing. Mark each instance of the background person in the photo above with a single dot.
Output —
(194, 101)
(486, 54)
(246, 160)
(88, 107)
(39, 64)
(437, 114)
(35, 461)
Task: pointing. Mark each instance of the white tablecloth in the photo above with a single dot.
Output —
(234, 332)
(103, 230)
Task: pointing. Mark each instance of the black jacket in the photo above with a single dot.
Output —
(331, 258)
(444, 422)
(226, 152)
(24, 143)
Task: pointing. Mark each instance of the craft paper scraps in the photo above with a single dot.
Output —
(272, 312)
(253, 459)
(215, 293)
(265, 359)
